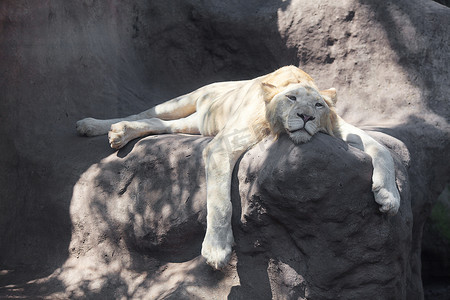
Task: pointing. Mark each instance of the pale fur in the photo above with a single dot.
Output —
(240, 114)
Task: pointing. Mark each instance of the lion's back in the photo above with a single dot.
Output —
(223, 102)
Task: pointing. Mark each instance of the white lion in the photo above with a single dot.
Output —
(285, 101)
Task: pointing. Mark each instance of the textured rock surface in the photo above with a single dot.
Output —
(64, 60)
(305, 223)
(316, 228)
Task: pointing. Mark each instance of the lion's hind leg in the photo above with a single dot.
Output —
(183, 106)
(177, 108)
(123, 132)
(94, 127)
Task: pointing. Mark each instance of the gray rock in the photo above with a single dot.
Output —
(305, 221)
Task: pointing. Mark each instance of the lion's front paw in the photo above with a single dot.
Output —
(120, 134)
(216, 252)
(389, 199)
(91, 127)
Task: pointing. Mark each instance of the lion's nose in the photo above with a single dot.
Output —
(305, 118)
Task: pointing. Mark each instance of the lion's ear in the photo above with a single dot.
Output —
(269, 91)
(330, 96)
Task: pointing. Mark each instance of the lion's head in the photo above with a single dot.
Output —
(294, 105)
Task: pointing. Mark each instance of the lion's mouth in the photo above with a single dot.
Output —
(296, 130)
(302, 129)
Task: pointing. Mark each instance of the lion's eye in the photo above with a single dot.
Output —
(293, 98)
(318, 104)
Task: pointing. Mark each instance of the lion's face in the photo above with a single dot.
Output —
(300, 111)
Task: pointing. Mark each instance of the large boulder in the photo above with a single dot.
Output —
(65, 60)
(305, 221)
